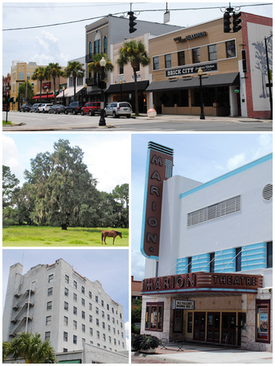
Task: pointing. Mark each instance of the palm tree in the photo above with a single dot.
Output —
(133, 52)
(75, 70)
(95, 64)
(30, 348)
(53, 70)
(39, 74)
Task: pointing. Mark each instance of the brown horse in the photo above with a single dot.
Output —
(113, 234)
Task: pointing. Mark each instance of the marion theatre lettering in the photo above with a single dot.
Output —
(159, 168)
(203, 282)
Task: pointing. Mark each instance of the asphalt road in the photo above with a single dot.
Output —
(166, 123)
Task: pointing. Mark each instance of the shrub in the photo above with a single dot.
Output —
(144, 341)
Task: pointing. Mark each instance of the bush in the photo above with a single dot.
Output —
(144, 341)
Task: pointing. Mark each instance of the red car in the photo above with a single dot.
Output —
(90, 108)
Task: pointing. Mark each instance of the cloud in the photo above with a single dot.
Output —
(10, 157)
(236, 161)
(138, 265)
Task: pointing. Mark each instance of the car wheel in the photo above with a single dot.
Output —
(114, 114)
(82, 113)
(65, 112)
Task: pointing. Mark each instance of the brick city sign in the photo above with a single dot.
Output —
(190, 36)
(183, 70)
(159, 168)
(202, 282)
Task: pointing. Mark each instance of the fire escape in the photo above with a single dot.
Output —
(21, 311)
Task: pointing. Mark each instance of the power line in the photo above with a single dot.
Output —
(121, 13)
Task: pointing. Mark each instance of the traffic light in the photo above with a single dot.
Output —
(226, 22)
(236, 21)
(132, 22)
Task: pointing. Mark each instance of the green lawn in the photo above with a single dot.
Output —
(44, 236)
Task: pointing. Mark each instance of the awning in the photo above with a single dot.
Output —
(127, 87)
(69, 92)
(43, 96)
(213, 80)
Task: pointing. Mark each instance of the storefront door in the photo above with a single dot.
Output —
(199, 326)
(229, 328)
(213, 327)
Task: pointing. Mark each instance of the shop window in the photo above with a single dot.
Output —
(238, 260)
(97, 46)
(120, 69)
(269, 255)
(230, 49)
(181, 58)
(212, 52)
(21, 76)
(154, 316)
(156, 63)
(196, 55)
(189, 323)
(183, 100)
(263, 321)
(168, 62)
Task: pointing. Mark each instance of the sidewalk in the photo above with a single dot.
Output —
(202, 354)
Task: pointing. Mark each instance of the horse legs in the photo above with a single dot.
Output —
(114, 240)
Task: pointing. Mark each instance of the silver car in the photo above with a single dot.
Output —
(117, 109)
(44, 107)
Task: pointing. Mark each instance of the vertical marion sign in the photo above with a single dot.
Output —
(159, 167)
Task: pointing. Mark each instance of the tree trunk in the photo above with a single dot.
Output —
(64, 226)
(136, 93)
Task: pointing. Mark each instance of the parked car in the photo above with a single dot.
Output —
(47, 108)
(57, 108)
(25, 107)
(43, 106)
(34, 107)
(90, 108)
(74, 108)
(117, 109)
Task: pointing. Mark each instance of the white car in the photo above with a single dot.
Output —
(117, 109)
(44, 107)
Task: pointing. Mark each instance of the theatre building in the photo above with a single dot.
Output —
(234, 68)
(208, 249)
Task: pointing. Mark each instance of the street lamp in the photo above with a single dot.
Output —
(200, 72)
(63, 89)
(102, 86)
(120, 88)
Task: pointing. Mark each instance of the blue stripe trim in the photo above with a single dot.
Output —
(204, 289)
(144, 209)
(228, 175)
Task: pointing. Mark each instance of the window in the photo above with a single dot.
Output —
(50, 291)
(230, 49)
(156, 63)
(104, 337)
(238, 260)
(83, 314)
(212, 263)
(75, 284)
(21, 75)
(66, 305)
(96, 299)
(108, 316)
(189, 268)
(97, 46)
(65, 336)
(48, 320)
(154, 316)
(109, 328)
(121, 334)
(83, 328)
(90, 294)
(181, 58)
(113, 310)
(110, 339)
(74, 339)
(97, 334)
(114, 330)
(212, 52)
(90, 49)
(105, 44)
(66, 291)
(65, 350)
(120, 315)
(65, 320)
(90, 318)
(90, 306)
(47, 336)
(103, 314)
(263, 321)
(50, 277)
(113, 320)
(103, 325)
(75, 310)
(114, 341)
(168, 62)
(97, 321)
(91, 331)
(67, 278)
(102, 303)
(96, 310)
(196, 55)
(74, 324)
(75, 297)
(49, 305)
(83, 289)
(189, 322)
(83, 301)
(269, 255)
(120, 69)
(108, 307)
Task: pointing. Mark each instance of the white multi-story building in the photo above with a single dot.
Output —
(64, 307)
(208, 274)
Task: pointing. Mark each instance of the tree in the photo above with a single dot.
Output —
(9, 182)
(121, 196)
(39, 74)
(133, 52)
(53, 70)
(22, 91)
(95, 64)
(75, 70)
(30, 348)
(61, 185)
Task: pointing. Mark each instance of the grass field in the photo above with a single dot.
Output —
(44, 236)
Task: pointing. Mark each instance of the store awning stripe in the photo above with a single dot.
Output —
(43, 96)
(127, 87)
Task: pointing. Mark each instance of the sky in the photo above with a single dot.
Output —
(200, 157)
(110, 267)
(107, 156)
(63, 43)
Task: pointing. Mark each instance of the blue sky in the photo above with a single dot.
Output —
(67, 42)
(104, 154)
(201, 157)
(109, 266)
